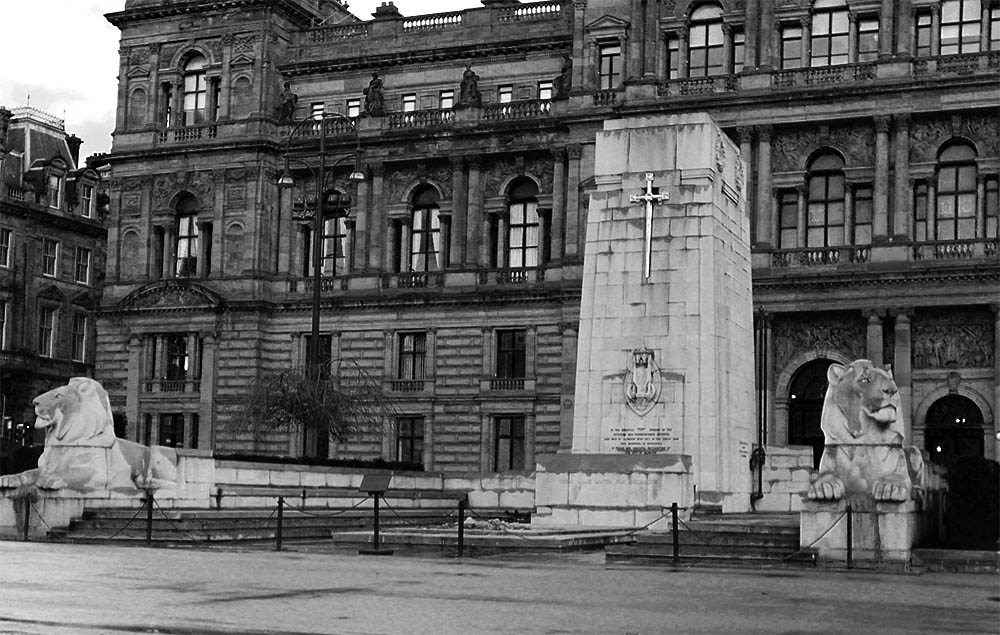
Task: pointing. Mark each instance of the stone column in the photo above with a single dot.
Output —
(529, 440)
(904, 24)
(169, 251)
(206, 401)
(123, 54)
(852, 38)
(806, 24)
(160, 370)
(474, 230)
(573, 220)
(932, 208)
(459, 213)
(178, 106)
(768, 30)
(874, 338)
(153, 93)
(984, 27)
(444, 258)
(765, 233)
(503, 258)
(902, 219)
(752, 27)
(428, 453)
(902, 370)
(133, 379)
(727, 47)
(378, 254)
(650, 40)
(361, 223)
(935, 30)
(558, 214)
(880, 211)
(405, 246)
(886, 21)
(980, 206)
(801, 225)
(746, 155)
(224, 78)
(580, 79)
(848, 213)
(568, 332)
(633, 62)
(682, 51)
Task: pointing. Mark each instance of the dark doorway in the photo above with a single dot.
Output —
(805, 406)
(954, 427)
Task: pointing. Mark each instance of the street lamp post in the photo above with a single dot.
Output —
(319, 176)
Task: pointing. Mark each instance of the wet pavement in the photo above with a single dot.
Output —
(96, 589)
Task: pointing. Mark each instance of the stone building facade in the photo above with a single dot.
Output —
(52, 253)
(868, 130)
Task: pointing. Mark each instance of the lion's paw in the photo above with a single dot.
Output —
(891, 489)
(827, 487)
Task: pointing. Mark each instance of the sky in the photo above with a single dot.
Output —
(64, 54)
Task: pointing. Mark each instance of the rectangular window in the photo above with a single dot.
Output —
(739, 50)
(868, 39)
(353, 108)
(81, 268)
(54, 191)
(409, 102)
(791, 47)
(922, 35)
(177, 357)
(920, 211)
(610, 69)
(410, 440)
(168, 105)
(788, 209)
(446, 101)
(87, 201)
(46, 331)
(508, 444)
(79, 337)
(511, 353)
(673, 57)
(830, 33)
(545, 90)
(505, 94)
(995, 28)
(4, 323)
(960, 26)
(6, 248)
(187, 246)
(50, 257)
(863, 215)
(172, 430)
(412, 355)
(325, 353)
(316, 110)
(992, 204)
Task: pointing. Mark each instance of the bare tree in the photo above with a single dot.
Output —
(343, 405)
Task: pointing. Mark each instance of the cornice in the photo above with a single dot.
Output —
(970, 274)
(69, 223)
(167, 10)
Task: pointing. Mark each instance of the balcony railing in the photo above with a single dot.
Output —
(818, 256)
(355, 31)
(511, 276)
(420, 118)
(407, 385)
(700, 86)
(956, 250)
(606, 98)
(412, 280)
(506, 384)
(170, 385)
(15, 193)
(531, 12)
(525, 109)
(826, 75)
(433, 22)
(189, 133)
(968, 64)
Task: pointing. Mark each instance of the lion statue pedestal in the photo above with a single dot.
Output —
(82, 461)
(867, 476)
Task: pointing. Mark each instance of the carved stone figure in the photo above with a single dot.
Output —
(81, 451)
(469, 94)
(374, 99)
(562, 82)
(286, 104)
(642, 382)
(862, 424)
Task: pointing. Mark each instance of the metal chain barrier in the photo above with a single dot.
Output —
(417, 523)
(821, 536)
(332, 514)
(138, 511)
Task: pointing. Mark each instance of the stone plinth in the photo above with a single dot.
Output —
(610, 490)
(43, 514)
(881, 532)
(665, 362)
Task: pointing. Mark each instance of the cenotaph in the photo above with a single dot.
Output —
(664, 409)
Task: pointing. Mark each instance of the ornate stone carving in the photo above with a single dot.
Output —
(131, 204)
(201, 184)
(843, 335)
(138, 56)
(642, 382)
(171, 296)
(167, 54)
(541, 167)
(792, 148)
(926, 136)
(400, 183)
(953, 341)
(498, 172)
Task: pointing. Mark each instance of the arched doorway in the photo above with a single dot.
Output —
(805, 406)
(954, 427)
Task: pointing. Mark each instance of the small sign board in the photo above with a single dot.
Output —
(375, 483)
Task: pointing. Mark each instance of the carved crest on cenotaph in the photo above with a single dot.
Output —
(642, 382)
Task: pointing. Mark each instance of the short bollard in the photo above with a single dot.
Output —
(281, 515)
(25, 524)
(461, 527)
(850, 538)
(149, 517)
(673, 531)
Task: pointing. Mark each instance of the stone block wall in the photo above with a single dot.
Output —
(786, 477)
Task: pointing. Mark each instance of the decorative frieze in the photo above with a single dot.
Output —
(792, 148)
(201, 184)
(953, 340)
(928, 135)
(844, 335)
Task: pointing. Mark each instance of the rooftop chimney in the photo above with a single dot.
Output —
(74, 142)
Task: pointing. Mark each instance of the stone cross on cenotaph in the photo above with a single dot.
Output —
(650, 199)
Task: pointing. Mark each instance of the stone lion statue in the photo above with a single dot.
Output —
(862, 423)
(81, 451)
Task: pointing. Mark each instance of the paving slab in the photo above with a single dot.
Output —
(96, 589)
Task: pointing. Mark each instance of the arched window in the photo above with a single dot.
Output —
(425, 231)
(956, 193)
(954, 427)
(523, 228)
(805, 406)
(186, 264)
(960, 26)
(195, 92)
(705, 42)
(830, 33)
(825, 212)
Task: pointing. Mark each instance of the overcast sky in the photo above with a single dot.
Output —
(65, 55)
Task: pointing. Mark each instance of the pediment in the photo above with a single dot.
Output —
(241, 59)
(138, 71)
(173, 295)
(52, 293)
(608, 23)
(84, 301)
